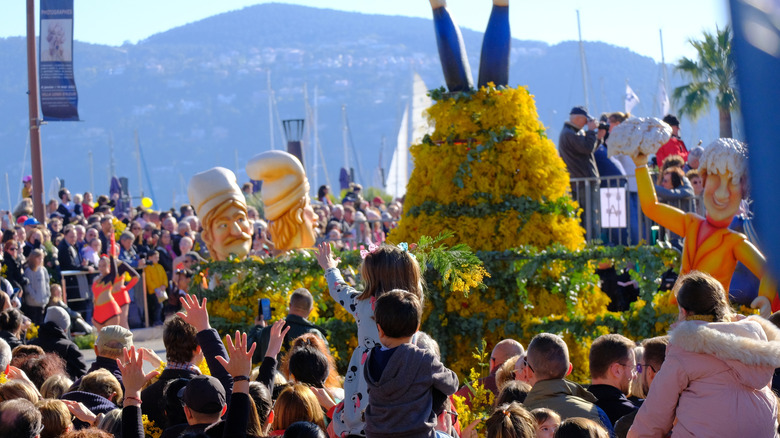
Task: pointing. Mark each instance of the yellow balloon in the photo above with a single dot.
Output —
(146, 202)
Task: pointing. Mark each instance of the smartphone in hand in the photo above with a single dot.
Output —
(264, 309)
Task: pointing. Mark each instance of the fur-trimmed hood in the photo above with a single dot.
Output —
(750, 346)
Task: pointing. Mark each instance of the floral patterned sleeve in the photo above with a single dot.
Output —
(340, 291)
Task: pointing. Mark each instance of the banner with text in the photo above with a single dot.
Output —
(59, 98)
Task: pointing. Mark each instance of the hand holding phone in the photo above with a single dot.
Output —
(264, 309)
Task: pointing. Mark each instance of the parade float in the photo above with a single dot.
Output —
(487, 178)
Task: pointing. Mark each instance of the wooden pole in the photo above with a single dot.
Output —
(35, 122)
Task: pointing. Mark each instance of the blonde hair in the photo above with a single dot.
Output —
(102, 383)
(635, 386)
(55, 417)
(13, 389)
(297, 403)
(55, 386)
(504, 373)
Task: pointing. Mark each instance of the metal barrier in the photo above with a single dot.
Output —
(77, 294)
(611, 212)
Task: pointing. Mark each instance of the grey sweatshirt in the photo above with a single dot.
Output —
(401, 400)
(37, 293)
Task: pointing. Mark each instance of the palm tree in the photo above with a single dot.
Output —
(712, 75)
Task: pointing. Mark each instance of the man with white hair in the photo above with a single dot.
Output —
(5, 354)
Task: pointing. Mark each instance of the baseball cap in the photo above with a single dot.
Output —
(378, 200)
(671, 120)
(31, 222)
(27, 178)
(21, 219)
(580, 110)
(113, 338)
(203, 394)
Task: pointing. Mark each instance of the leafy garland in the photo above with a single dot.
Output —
(523, 205)
(519, 293)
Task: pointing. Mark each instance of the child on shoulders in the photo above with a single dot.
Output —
(400, 376)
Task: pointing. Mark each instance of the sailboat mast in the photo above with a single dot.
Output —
(271, 111)
(315, 139)
(138, 163)
(663, 60)
(344, 137)
(111, 162)
(584, 67)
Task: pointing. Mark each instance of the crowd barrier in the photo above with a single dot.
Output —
(612, 215)
(77, 294)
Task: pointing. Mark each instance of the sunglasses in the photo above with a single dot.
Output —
(525, 362)
(641, 366)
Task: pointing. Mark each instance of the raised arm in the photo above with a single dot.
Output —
(666, 215)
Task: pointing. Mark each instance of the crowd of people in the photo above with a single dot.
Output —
(711, 376)
(80, 237)
(714, 374)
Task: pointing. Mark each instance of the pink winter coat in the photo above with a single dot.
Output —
(715, 381)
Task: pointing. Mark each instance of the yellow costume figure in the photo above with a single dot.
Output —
(285, 195)
(710, 246)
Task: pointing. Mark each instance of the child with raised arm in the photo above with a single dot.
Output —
(400, 376)
(384, 268)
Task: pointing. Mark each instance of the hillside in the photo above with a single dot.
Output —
(198, 97)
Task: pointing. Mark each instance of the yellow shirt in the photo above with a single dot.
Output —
(155, 277)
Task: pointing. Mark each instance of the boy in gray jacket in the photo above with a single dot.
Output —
(401, 377)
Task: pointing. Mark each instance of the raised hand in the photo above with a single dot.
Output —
(80, 411)
(196, 313)
(131, 365)
(240, 358)
(150, 356)
(276, 338)
(325, 256)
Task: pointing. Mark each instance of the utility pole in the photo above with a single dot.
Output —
(35, 122)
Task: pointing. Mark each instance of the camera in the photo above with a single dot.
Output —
(604, 126)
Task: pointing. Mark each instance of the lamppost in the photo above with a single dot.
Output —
(293, 131)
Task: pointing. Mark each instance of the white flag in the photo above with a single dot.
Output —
(663, 98)
(631, 99)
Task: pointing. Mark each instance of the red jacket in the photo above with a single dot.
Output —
(674, 146)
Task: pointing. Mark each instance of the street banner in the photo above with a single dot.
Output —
(59, 98)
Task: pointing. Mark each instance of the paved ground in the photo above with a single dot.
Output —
(147, 337)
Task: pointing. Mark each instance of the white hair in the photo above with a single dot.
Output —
(725, 156)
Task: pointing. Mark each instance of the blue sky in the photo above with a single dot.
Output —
(631, 24)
